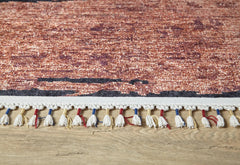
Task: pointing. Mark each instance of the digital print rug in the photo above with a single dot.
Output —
(137, 54)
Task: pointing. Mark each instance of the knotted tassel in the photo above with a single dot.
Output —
(149, 120)
(19, 119)
(205, 121)
(162, 121)
(233, 120)
(34, 121)
(49, 119)
(107, 120)
(92, 121)
(220, 120)
(77, 121)
(120, 121)
(5, 118)
(64, 120)
(136, 119)
(178, 120)
(191, 123)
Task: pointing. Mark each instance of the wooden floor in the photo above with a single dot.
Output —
(128, 145)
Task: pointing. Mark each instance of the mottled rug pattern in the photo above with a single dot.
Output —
(120, 48)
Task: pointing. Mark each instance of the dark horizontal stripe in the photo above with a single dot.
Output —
(91, 80)
(192, 94)
(36, 92)
(137, 80)
(81, 80)
(106, 93)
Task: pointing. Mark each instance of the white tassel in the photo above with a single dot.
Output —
(120, 121)
(92, 121)
(77, 121)
(220, 122)
(34, 117)
(32, 121)
(205, 122)
(178, 120)
(136, 119)
(190, 122)
(63, 121)
(149, 120)
(162, 122)
(4, 120)
(107, 120)
(234, 121)
(18, 120)
(48, 120)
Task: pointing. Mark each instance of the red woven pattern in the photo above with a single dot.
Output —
(174, 45)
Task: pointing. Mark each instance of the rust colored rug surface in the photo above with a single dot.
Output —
(120, 48)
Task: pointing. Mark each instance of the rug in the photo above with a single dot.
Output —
(158, 54)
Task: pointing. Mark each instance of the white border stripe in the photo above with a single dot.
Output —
(127, 101)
